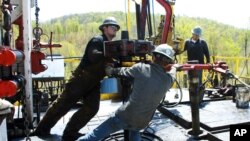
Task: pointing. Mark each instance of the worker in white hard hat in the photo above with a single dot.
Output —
(84, 84)
(150, 84)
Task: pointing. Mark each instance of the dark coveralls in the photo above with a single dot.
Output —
(84, 83)
(196, 51)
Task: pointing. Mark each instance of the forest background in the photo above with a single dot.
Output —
(74, 31)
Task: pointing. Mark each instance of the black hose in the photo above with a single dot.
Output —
(144, 135)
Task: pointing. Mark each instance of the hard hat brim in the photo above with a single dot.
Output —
(195, 33)
(163, 54)
(101, 26)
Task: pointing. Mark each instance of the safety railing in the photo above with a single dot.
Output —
(239, 66)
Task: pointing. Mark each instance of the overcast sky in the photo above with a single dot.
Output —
(232, 12)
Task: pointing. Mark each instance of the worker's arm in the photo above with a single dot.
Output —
(174, 69)
(128, 72)
(95, 50)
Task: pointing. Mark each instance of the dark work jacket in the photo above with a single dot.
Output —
(197, 50)
(93, 60)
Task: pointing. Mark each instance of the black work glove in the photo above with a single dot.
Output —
(109, 70)
(77, 72)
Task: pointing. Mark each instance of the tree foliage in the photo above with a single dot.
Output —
(74, 31)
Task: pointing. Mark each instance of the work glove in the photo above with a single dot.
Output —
(109, 70)
(77, 72)
(5, 107)
(177, 66)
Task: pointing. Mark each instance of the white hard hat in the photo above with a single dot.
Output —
(165, 50)
(109, 21)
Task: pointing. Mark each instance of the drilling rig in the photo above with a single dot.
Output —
(20, 58)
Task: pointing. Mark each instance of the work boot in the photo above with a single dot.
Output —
(72, 137)
(40, 133)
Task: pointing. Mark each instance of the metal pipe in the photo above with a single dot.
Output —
(167, 22)
(27, 39)
(194, 95)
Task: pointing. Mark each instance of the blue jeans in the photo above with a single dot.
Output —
(109, 126)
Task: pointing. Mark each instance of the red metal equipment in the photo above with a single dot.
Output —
(9, 84)
(168, 16)
(8, 88)
(9, 57)
(50, 45)
(36, 55)
(143, 14)
(219, 66)
(36, 62)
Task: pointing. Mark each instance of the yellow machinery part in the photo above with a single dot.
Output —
(129, 18)
(1, 16)
(108, 96)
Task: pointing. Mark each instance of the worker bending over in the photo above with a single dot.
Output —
(150, 84)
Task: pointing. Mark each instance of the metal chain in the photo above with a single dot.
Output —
(37, 28)
(37, 20)
(36, 13)
(6, 10)
(25, 115)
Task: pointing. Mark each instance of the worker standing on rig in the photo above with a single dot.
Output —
(84, 84)
(197, 48)
(150, 84)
